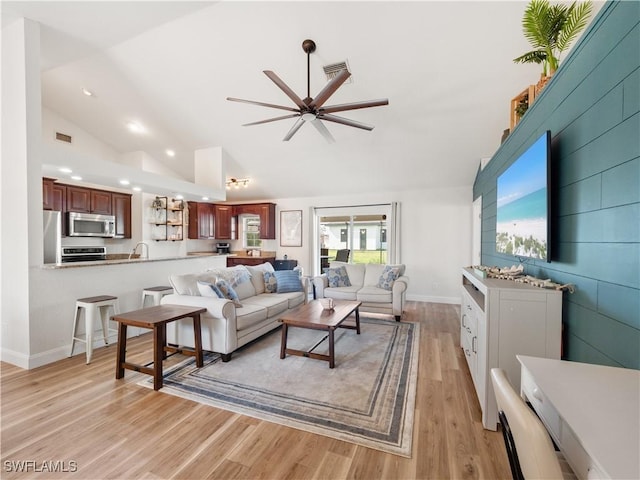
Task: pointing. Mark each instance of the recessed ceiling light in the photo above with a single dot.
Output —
(135, 127)
(76, 177)
(170, 152)
(205, 198)
(137, 189)
(179, 197)
(124, 182)
(88, 93)
(64, 170)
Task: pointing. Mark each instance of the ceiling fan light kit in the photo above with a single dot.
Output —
(311, 110)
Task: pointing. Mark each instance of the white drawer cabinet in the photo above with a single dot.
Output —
(500, 319)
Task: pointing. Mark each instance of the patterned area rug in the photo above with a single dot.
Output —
(367, 399)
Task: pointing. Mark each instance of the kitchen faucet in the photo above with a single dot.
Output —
(136, 247)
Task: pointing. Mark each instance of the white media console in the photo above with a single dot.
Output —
(500, 319)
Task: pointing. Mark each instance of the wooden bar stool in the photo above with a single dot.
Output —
(156, 294)
(95, 308)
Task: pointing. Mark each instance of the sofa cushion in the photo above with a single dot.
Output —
(187, 284)
(234, 275)
(249, 315)
(294, 298)
(245, 290)
(374, 270)
(288, 281)
(273, 304)
(355, 271)
(342, 293)
(257, 278)
(208, 289)
(374, 295)
(388, 276)
(338, 277)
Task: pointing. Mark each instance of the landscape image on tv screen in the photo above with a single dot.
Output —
(522, 205)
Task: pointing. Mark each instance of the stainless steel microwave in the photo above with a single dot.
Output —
(90, 225)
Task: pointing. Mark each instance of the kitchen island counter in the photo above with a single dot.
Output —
(126, 260)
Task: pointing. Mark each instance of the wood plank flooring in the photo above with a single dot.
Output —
(72, 420)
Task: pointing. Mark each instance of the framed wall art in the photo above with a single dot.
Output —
(291, 228)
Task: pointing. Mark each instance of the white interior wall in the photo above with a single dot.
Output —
(21, 131)
(435, 236)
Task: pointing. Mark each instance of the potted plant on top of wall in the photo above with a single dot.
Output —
(550, 29)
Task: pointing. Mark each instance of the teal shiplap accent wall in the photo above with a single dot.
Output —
(592, 108)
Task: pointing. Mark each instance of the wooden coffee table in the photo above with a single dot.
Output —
(313, 316)
(156, 319)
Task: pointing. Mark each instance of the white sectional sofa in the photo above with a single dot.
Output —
(226, 326)
(364, 280)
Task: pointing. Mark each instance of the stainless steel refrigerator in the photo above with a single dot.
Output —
(52, 236)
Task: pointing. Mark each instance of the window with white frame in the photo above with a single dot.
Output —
(251, 232)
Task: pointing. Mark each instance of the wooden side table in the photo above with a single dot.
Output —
(156, 319)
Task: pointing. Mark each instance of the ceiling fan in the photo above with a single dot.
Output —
(312, 109)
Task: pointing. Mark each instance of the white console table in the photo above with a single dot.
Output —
(500, 319)
(591, 411)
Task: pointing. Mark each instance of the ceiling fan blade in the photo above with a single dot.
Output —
(262, 104)
(354, 105)
(345, 121)
(323, 130)
(329, 89)
(294, 129)
(271, 120)
(285, 88)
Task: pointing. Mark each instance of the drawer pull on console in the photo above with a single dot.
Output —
(537, 395)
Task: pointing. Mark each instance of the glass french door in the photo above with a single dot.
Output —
(363, 230)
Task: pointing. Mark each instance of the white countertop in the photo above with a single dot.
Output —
(121, 261)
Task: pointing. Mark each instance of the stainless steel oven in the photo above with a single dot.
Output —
(90, 225)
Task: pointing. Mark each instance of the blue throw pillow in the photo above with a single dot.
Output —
(388, 276)
(288, 281)
(228, 291)
(338, 277)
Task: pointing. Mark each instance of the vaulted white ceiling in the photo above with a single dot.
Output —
(446, 68)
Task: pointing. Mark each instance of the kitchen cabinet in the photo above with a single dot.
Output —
(222, 217)
(251, 261)
(500, 319)
(101, 202)
(88, 200)
(53, 195)
(267, 214)
(201, 221)
(78, 199)
(121, 208)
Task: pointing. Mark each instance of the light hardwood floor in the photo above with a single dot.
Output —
(79, 417)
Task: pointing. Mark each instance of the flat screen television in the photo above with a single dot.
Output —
(522, 223)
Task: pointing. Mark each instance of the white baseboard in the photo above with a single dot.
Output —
(14, 358)
(433, 299)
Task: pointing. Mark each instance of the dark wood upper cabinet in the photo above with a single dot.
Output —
(121, 208)
(101, 202)
(222, 219)
(71, 198)
(78, 199)
(47, 194)
(59, 197)
(201, 221)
